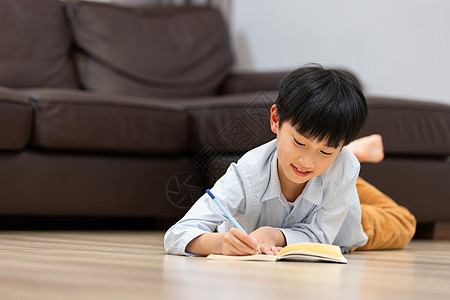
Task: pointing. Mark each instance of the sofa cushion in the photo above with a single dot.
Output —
(16, 116)
(231, 124)
(76, 120)
(410, 127)
(35, 42)
(164, 52)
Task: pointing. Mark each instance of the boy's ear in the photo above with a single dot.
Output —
(274, 119)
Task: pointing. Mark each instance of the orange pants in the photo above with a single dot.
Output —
(387, 224)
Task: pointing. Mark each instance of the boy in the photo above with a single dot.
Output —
(386, 224)
(300, 187)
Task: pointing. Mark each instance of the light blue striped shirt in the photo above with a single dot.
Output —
(327, 211)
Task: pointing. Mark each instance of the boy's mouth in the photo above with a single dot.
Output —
(300, 172)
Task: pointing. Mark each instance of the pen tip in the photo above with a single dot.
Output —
(209, 193)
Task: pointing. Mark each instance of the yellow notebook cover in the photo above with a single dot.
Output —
(295, 252)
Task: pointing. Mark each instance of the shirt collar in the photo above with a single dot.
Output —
(273, 190)
(313, 190)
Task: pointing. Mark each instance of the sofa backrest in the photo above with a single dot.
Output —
(35, 45)
(148, 51)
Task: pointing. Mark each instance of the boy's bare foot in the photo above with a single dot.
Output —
(368, 148)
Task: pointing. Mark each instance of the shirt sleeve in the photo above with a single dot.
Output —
(205, 216)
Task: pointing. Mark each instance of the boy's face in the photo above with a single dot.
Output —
(299, 158)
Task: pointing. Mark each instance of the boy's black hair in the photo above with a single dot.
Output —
(322, 104)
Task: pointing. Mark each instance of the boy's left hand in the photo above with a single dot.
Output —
(271, 240)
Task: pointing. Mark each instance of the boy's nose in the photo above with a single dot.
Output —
(307, 161)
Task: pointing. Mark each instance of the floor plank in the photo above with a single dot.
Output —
(133, 265)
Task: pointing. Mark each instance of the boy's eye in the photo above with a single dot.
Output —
(326, 153)
(298, 143)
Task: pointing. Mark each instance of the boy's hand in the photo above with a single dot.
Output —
(271, 240)
(265, 240)
(236, 242)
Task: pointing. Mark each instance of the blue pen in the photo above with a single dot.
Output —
(226, 212)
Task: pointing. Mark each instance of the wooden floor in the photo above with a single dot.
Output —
(133, 265)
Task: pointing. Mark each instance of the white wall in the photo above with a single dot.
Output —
(398, 48)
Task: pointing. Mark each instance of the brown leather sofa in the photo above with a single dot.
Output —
(109, 111)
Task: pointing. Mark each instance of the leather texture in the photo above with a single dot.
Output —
(37, 183)
(410, 127)
(230, 124)
(35, 45)
(162, 52)
(16, 116)
(252, 81)
(76, 120)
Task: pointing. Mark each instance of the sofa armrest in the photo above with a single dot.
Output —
(16, 117)
(252, 82)
(409, 127)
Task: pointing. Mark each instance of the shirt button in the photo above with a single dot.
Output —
(290, 218)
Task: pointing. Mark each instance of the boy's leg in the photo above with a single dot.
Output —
(387, 224)
(368, 149)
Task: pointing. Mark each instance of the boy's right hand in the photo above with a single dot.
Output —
(236, 242)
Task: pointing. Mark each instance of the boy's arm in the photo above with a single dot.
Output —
(205, 216)
(234, 242)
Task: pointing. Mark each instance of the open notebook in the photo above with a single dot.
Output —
(295, 252)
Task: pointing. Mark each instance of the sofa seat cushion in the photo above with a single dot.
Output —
(231, 124)
(76, 120)
(150, 51)
(35, 41)
(410, 127)
(16, 116)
